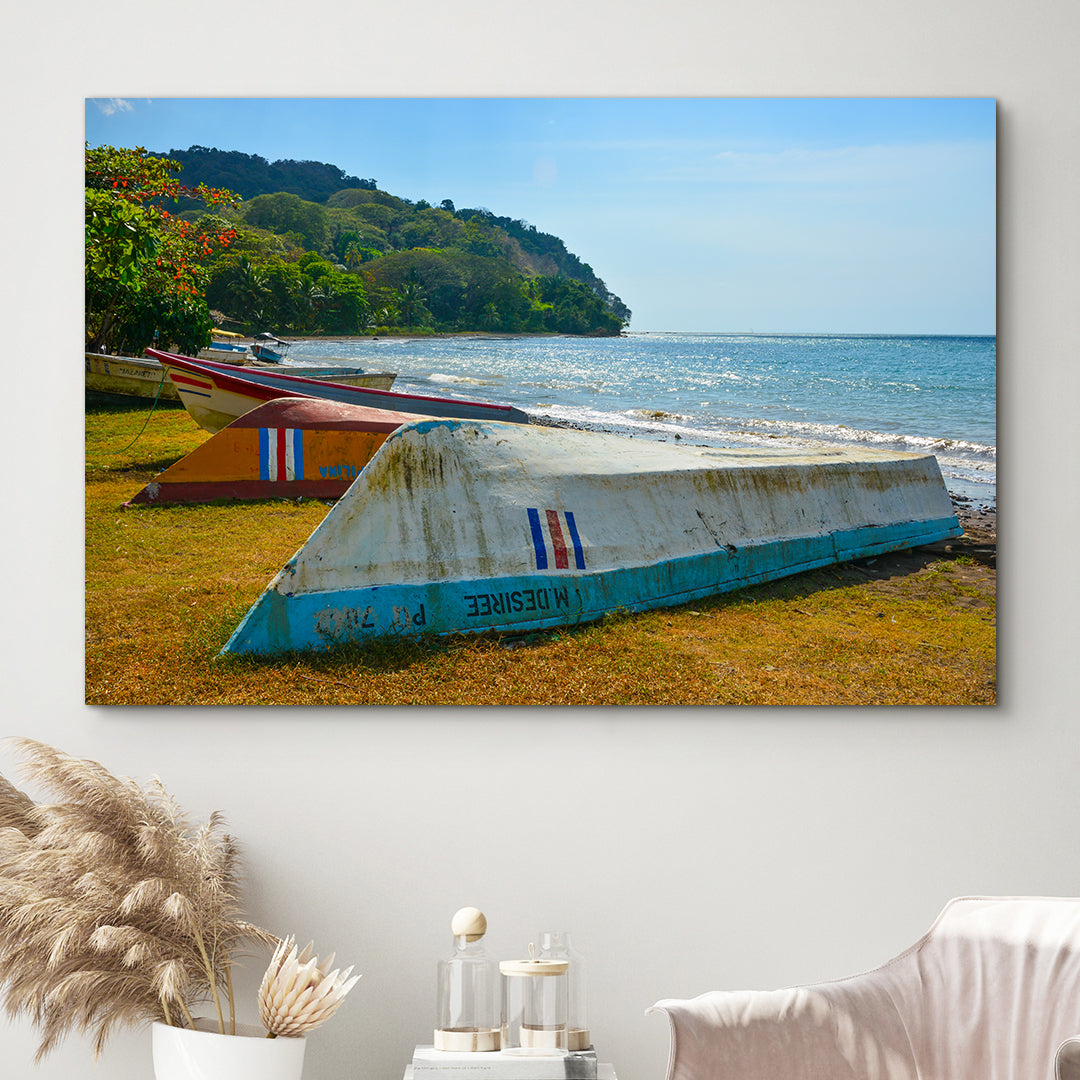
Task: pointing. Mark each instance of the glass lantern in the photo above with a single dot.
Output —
(534, 1006)
(468, 989)
(556, 945)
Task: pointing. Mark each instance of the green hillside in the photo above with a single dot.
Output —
(317, 251)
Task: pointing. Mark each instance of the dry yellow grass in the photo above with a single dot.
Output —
(166, 586)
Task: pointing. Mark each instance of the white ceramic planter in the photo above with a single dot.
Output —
(183, 1054)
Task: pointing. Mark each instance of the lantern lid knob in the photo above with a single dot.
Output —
(469, 923)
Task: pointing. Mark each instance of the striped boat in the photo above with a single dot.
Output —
(216, 394)
(142, 380)
(288, 448)
(459, 526)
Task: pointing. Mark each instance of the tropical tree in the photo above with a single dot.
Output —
(386, 315)
(353, 256)
(479, 238)
(287, 214)
(572, 307)
(288, 305)
(410, 301)
(243, 288)
(343, 241)
(144, 266)
(340, 300)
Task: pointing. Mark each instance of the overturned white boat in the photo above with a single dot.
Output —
(466, 526)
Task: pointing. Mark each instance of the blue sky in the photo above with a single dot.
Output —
(789, 215)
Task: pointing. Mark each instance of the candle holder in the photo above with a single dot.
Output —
(534, 1005)
(468, 996)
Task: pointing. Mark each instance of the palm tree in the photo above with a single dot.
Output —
(387, 315)
(410, 300)
(246, 287)
(323, 296)
(353, 257)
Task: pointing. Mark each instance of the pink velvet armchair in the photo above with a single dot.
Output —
(992, 992)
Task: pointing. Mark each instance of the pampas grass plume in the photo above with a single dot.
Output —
(114, 911)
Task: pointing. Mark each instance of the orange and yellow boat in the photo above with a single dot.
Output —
(287, 448)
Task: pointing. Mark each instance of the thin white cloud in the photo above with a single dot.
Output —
(110, 106)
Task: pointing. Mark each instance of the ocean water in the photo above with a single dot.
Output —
(924, 394)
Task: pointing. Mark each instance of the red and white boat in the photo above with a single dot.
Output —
(216, 394)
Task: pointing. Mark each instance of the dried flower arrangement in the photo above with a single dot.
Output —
(114, 910)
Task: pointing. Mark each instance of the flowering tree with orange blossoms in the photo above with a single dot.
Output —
(145, 266)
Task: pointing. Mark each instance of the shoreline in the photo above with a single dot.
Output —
(979, 522)
(976, 514)
(479, 335)
(968, 468)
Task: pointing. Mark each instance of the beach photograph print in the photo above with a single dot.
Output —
(510, 402)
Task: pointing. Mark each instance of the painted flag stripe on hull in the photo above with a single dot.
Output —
(281, 454)
(551, 529)
(188, 385)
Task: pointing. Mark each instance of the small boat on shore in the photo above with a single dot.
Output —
(343, 373)
(216, 394)
(288, 448)
(472, 526)
(227, 348)
(141, 380)
(268, 348)
(224, 355)
(127, 380)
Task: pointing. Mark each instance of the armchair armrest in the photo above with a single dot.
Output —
(1067, 1061)
(802, 1033)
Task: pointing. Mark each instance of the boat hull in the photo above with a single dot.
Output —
(216, 394)
(288, 448)
(529, 602)
(369, 380)
(264, 352)
(224, 353)
(471, 527)
(136, 380)
(127, 380)
(342, 373)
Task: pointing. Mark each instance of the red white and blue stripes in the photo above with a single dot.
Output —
(281, 454)
(552, 531)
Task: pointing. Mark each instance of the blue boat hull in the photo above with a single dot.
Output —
(280, 622)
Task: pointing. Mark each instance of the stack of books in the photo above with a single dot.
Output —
(431, 1064)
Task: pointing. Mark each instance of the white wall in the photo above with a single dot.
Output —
(684, 850)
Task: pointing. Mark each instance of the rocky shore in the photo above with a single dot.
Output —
(978, 520)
